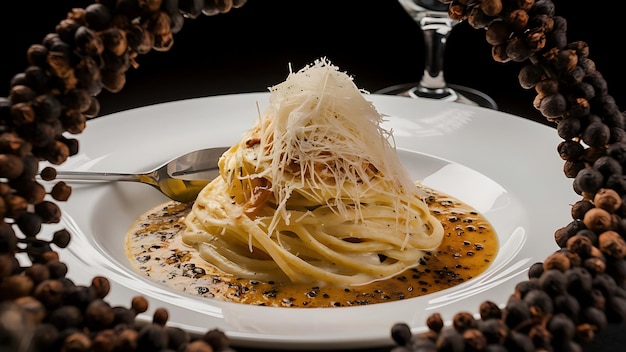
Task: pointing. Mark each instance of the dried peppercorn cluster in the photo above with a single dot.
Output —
(88, 51)
(574, 293)
(567, 299)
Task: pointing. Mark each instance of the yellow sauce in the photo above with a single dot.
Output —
(154, 248)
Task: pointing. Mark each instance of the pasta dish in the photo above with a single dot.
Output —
(313, 192)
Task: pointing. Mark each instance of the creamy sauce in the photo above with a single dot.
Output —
(155, 249)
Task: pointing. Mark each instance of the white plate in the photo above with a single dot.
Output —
(505, 166)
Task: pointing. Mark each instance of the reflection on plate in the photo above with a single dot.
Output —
(504, 166)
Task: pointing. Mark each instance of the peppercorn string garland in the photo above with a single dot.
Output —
(566, 301)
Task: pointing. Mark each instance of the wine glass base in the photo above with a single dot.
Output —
(456, 93)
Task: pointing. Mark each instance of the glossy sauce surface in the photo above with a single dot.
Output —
(155, 249)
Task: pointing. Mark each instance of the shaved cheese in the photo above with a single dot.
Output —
(318, 119)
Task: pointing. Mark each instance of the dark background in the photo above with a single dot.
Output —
(250, 49)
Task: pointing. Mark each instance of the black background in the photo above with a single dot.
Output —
(250, 49)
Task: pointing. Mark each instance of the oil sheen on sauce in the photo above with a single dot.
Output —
(155, 250)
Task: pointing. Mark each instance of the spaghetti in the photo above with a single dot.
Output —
(314, 192)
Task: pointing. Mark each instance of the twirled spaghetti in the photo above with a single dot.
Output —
(314, 192)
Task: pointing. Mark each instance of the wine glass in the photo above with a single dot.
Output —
(436, 25)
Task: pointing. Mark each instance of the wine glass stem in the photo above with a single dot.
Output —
(436, 28)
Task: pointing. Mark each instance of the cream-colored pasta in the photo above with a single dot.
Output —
(315, 191)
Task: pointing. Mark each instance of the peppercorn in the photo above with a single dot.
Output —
(607, 166)
(558, 261)
(48, 173)
(516, 312)
(497, 32)
(517, 49)
(97, 16)
(15, 286)
(566, 304)
(608, 199)
(523, 287)
(617, 134)
(113, 81)
(435, 322)
(77, 342)
(562, 329)
(139, 304)
(79, 296)
(401, 334)
(29, 224)
(579, 208)
(580, 245)
(201, 346)
(60, 65)
(530, 75)
(88, 74)
(21, 94)
(536, 40)
(36, 55)
(71, 144)
(99, 315)
(15, 206)
(65, 317)
(598, 220)
(571, 168)
(127, 339)
(74, 121)
(562, 234)
(152, 337)
(104, 340)
(11, 166)
(191, 8)
(616, 308)
(94, 108)
(605, 104)
(61, 191)
(518, 19)
(123, 316)
(589, 180)
(37, 272)
(37, 78)
(57, 269)
(595, 265)
(9, 265)
(478, 19)
(539, 303)
(160, 316)
(177, 337)
(463, 321)
(474, 340)
(553, 105)
(489, 310)
(535, 270)
(597, 81)
(163, 42)
(100, 286)
(50, 293)
(568, 129)
(499, 53)
(553, 282)
(48, 211)
(450, 340)
(494, 331)
(612, 244)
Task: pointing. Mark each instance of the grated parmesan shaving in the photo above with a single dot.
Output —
(318, 119)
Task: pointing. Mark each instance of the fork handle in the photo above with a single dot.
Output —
(96, 176)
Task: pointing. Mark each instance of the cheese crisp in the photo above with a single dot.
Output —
(313, 192)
